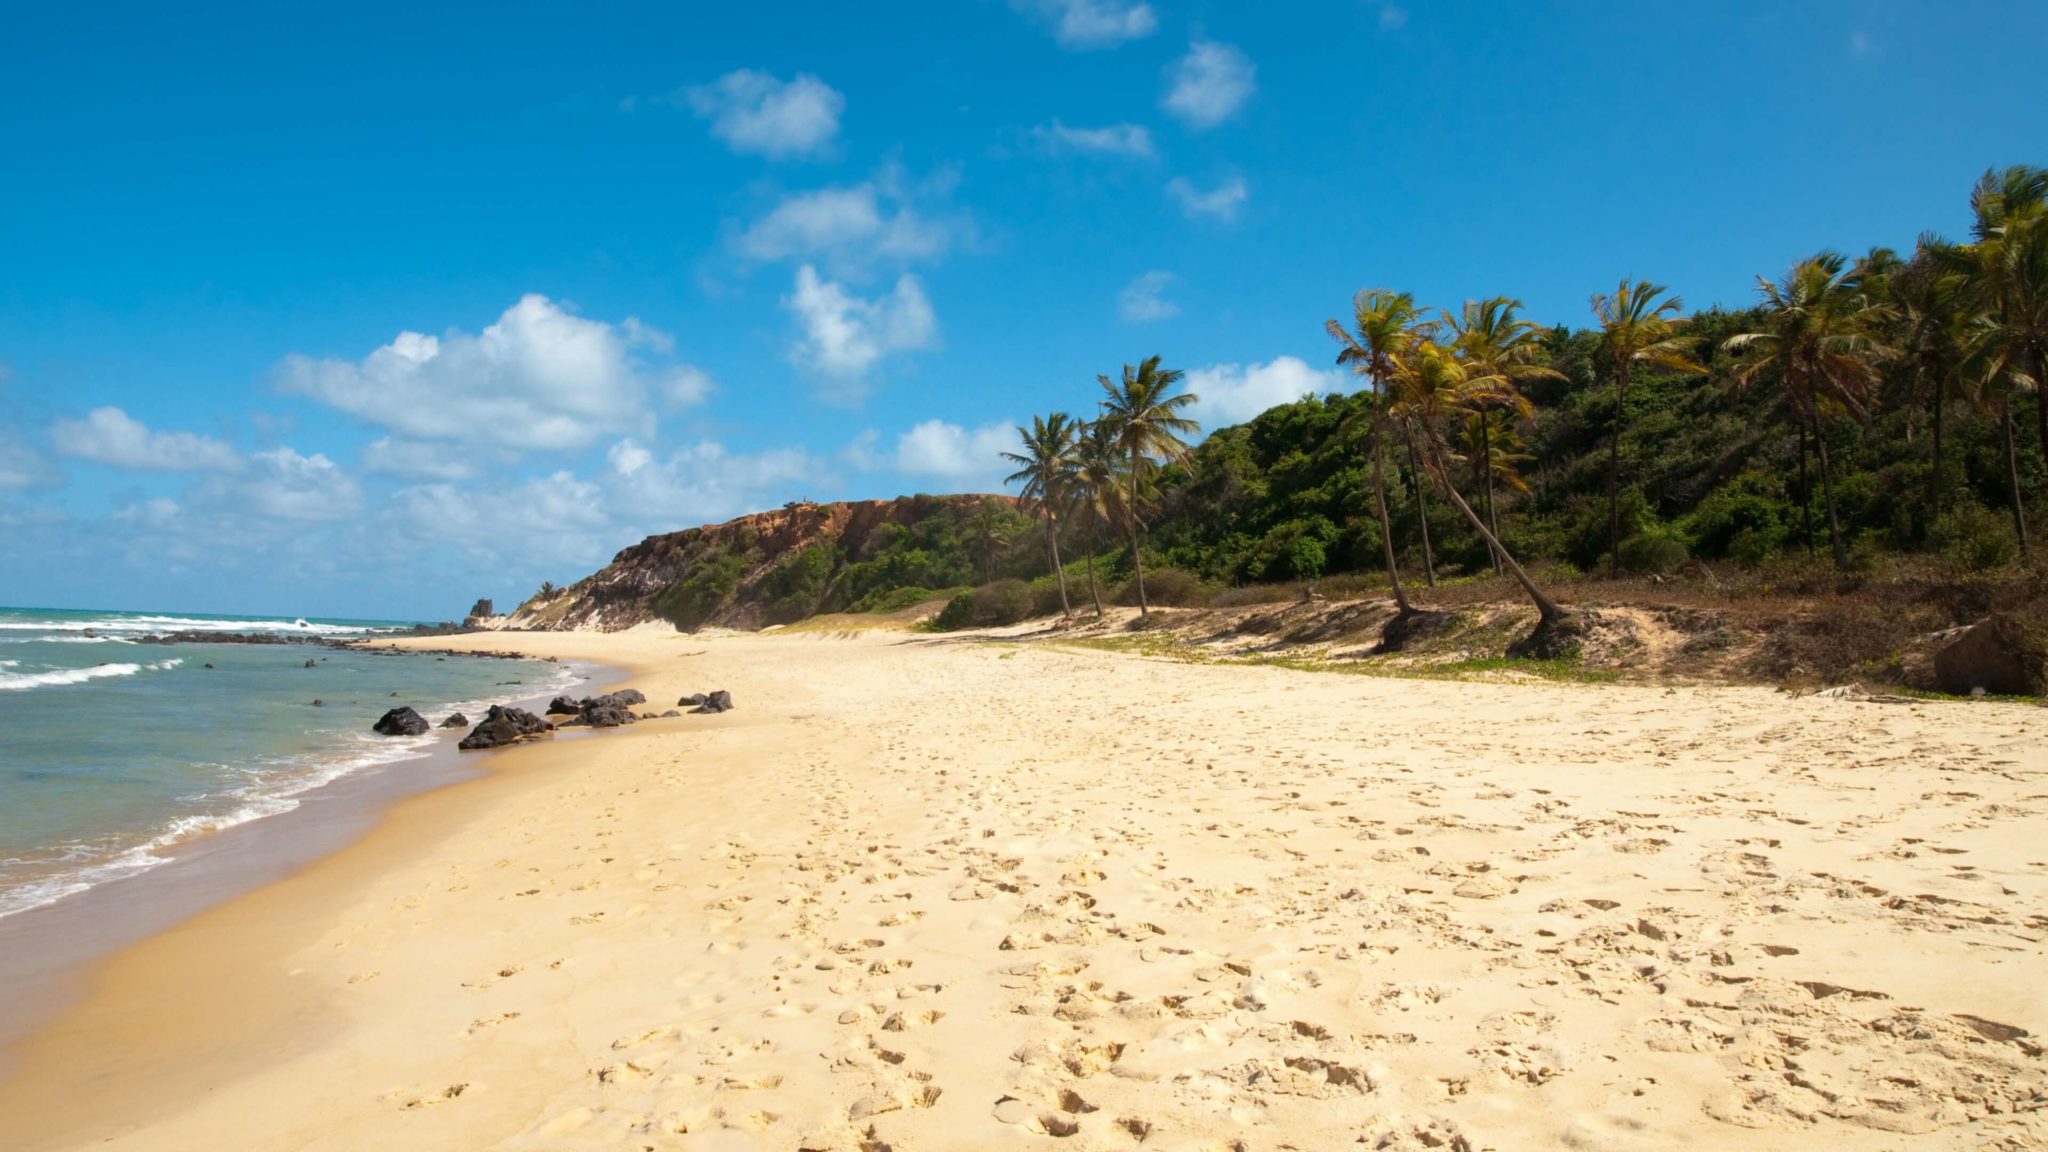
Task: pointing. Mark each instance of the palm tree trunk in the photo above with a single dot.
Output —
(1614, 471)
(1546, 608)
(1934, 481)
(1421, 517)
(2012, 473)
(2040, 365)
(1486, 467)
(1379, 500)
(1137, 561)
(1094, 593)
(1827, 484)
(1805, 491)
(1052, 543)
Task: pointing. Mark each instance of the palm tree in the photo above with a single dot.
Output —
(1935, 328)
(1819, 340)
(1494, 343)
(990, 536)
(1429, 387)
(2011, 275)
(1045, 470)
(1385, 324)
(1149, 429)
(1097, 475)
(1636, 327)
(1497, 455)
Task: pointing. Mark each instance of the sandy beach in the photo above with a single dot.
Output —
(923, 893)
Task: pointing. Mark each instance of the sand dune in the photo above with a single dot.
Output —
(921, 894)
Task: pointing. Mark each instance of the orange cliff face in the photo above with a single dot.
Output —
(626, 592)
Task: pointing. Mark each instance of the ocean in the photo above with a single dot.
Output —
(113, 752)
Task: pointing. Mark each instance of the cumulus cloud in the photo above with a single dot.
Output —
(289, 486)
(580, 531)
(417, 460)
(1083, 25)
(755, 112)
(851, 228)
(1141, 302)
(1234, 393)
(688, 386)
(702, 483)
(937, 448)
(1131, 141)
(843, 335)
(112, 437)
(1209, 84)
(540, 378)
(1218, 203)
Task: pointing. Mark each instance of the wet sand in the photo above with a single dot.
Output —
(920, 893)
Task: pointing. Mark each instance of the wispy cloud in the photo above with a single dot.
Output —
(889, 219)
(1084, 25)
(1219, 203)
(1393, 17)
(112, 437)
(1141, 302)
(755, 112)
(1209, 84)
(1132, 141)
(1860, 44)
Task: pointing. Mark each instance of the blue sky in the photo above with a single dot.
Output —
(372, 310)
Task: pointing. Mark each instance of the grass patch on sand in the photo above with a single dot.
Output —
(1475, 668)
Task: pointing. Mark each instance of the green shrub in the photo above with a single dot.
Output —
(893, 599)
(1974, 538)
(1754, 547)
(1653, 552)
(989, 606)
(1168, 587)
(689, 602)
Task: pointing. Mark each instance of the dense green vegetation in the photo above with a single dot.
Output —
(1858, 408)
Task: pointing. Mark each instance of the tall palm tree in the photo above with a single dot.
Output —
(1429, 387)
(1097, 475)
(1495, 343)
(1639, 324)
(1046, 470)
(1150, 430)
(1384, 325)
(1934, 331)
(2011, 276)
(1819, 339)
(990, 535)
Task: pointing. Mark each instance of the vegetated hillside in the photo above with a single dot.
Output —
(781, 566)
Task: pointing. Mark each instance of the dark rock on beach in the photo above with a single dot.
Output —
(503, 726)
(605, 712)
(563, 706)
(456, 720)
(2005, 654)
(401, 721)
(691, 701)
(719, 701)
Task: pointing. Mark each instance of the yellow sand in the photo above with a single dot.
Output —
(922, 894)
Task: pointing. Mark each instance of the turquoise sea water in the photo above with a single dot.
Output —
(112, 751)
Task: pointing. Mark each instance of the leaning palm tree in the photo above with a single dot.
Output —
(1495, 344)
(1429, 387)
(1819, 340)
(1149, 430)
(1098, 484)
(1046, 471)
(1385, 324)
(1636, 327)
(2009, 270)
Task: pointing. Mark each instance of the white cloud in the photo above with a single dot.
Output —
(1218, 203)
(1860, 44)
(411, 458)
(294, 487)
(843, 335)
(702, 483)
(754, 112)
(850, 228)
(688, 386)
(112, 437)
(155, 513)
(937, 448)
(540, 378)
(1132, 141)
(1209, 84)
(1088, 24)
(1393, 17)
(1234, 393)
(1140, 301)
(487, 522)
(22, 466)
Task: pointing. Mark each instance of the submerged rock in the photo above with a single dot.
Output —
(502, 725)
(401, 721)
(456, 720)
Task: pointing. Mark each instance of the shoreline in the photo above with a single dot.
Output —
(942, 892)
(48, 952)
